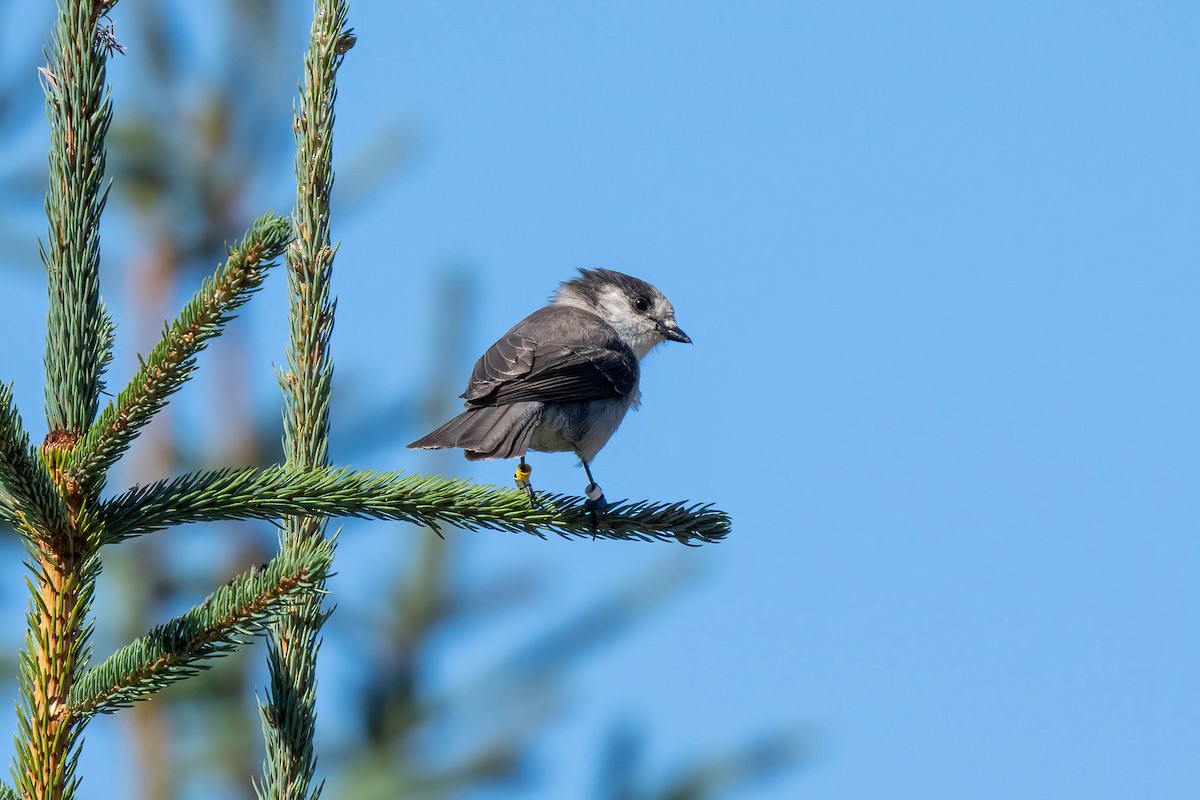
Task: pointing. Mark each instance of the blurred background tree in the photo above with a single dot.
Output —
(199, 142)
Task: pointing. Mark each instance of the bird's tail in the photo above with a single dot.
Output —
(487, 432)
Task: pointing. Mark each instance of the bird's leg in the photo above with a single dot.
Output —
(593, 491)
(522, 478)
(596, 501)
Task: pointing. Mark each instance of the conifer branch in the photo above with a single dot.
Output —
(56, 646)
(6, 792)
(173, 359)
(8, 512)
(289, 711)
(79, 335)
(180, 648)
(421, 499)
(79, 341)
(29, 499)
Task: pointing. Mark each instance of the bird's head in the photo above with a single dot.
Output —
(637, 311)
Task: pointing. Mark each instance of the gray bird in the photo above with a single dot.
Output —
(563, 378)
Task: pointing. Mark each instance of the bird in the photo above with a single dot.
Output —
(563, 378)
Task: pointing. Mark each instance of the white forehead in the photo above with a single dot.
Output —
(613, 298)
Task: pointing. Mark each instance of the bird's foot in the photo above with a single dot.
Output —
(595, 505)
(521, 476)
(595, 497)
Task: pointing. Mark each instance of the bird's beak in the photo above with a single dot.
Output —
(670, 330)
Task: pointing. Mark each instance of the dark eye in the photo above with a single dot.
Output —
(641, 305)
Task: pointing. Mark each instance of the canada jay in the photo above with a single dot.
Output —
(563, 377)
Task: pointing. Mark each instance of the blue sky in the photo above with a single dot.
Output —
(939, 261)
(939, 264)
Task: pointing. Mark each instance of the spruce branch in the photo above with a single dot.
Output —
(289, 711)
(8, 512)
(180, 648)
(57, 644)
(421, 499)
(79, 331)
(29, 499)
(173, 359)
(79, 341)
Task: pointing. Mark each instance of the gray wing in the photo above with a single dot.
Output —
(555, 355)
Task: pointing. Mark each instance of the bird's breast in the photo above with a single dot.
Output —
(583, 428)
